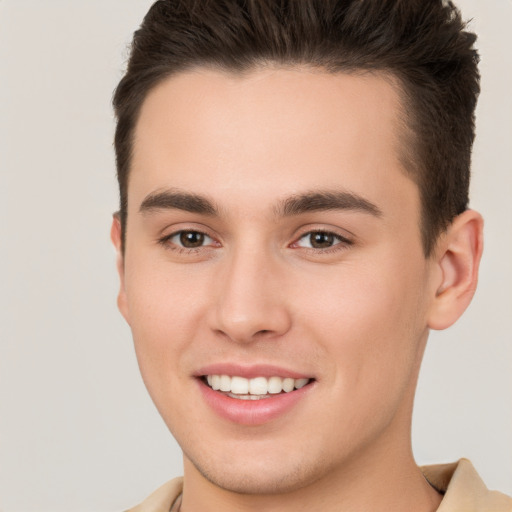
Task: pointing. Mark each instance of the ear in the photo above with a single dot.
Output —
(116, 237)
(457, 257)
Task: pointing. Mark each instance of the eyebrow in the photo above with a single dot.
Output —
(178, 200)
(325, 201)
(313, 201)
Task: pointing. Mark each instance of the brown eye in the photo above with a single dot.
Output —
(321, 240)
(192, 239)
(188, 240)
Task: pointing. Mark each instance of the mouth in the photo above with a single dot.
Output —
(257, 388)
(254, 394)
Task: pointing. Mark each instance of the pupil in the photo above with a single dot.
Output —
(321, 240)
(191, 239)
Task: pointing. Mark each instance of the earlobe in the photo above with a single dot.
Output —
(458, 258)
(116, 237)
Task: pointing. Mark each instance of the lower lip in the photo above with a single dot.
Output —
(252, 412)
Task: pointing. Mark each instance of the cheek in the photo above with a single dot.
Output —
(161, 298)
(166, 308)
(371, 325)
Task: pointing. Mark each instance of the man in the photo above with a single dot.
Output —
(294, 220)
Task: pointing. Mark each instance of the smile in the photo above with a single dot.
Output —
(253, 395)
(256, 388)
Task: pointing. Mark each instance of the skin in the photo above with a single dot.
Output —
(355, 316)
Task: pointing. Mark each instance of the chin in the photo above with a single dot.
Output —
(251, 479)
(263, 470)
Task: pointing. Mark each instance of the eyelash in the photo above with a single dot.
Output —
(167, 244)
(341, 242)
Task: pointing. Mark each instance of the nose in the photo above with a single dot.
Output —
(251, 302)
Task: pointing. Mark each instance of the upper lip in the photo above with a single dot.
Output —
(250, 371)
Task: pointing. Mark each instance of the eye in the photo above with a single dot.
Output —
(189, 239)
(321, 240)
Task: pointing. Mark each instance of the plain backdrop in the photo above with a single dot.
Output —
(77, 430)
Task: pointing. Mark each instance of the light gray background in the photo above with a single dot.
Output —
(77, 431)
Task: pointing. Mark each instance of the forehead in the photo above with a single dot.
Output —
(272, 130)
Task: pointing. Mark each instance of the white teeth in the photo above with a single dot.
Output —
(257, 387)
(288, 384)
(275, 385)
(239, 386)
(248, 397)
(215, 382)
(300, 383)
(225, 383)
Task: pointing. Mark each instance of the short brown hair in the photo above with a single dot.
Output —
(422, 43)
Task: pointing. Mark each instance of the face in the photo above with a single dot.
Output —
(273, 251)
